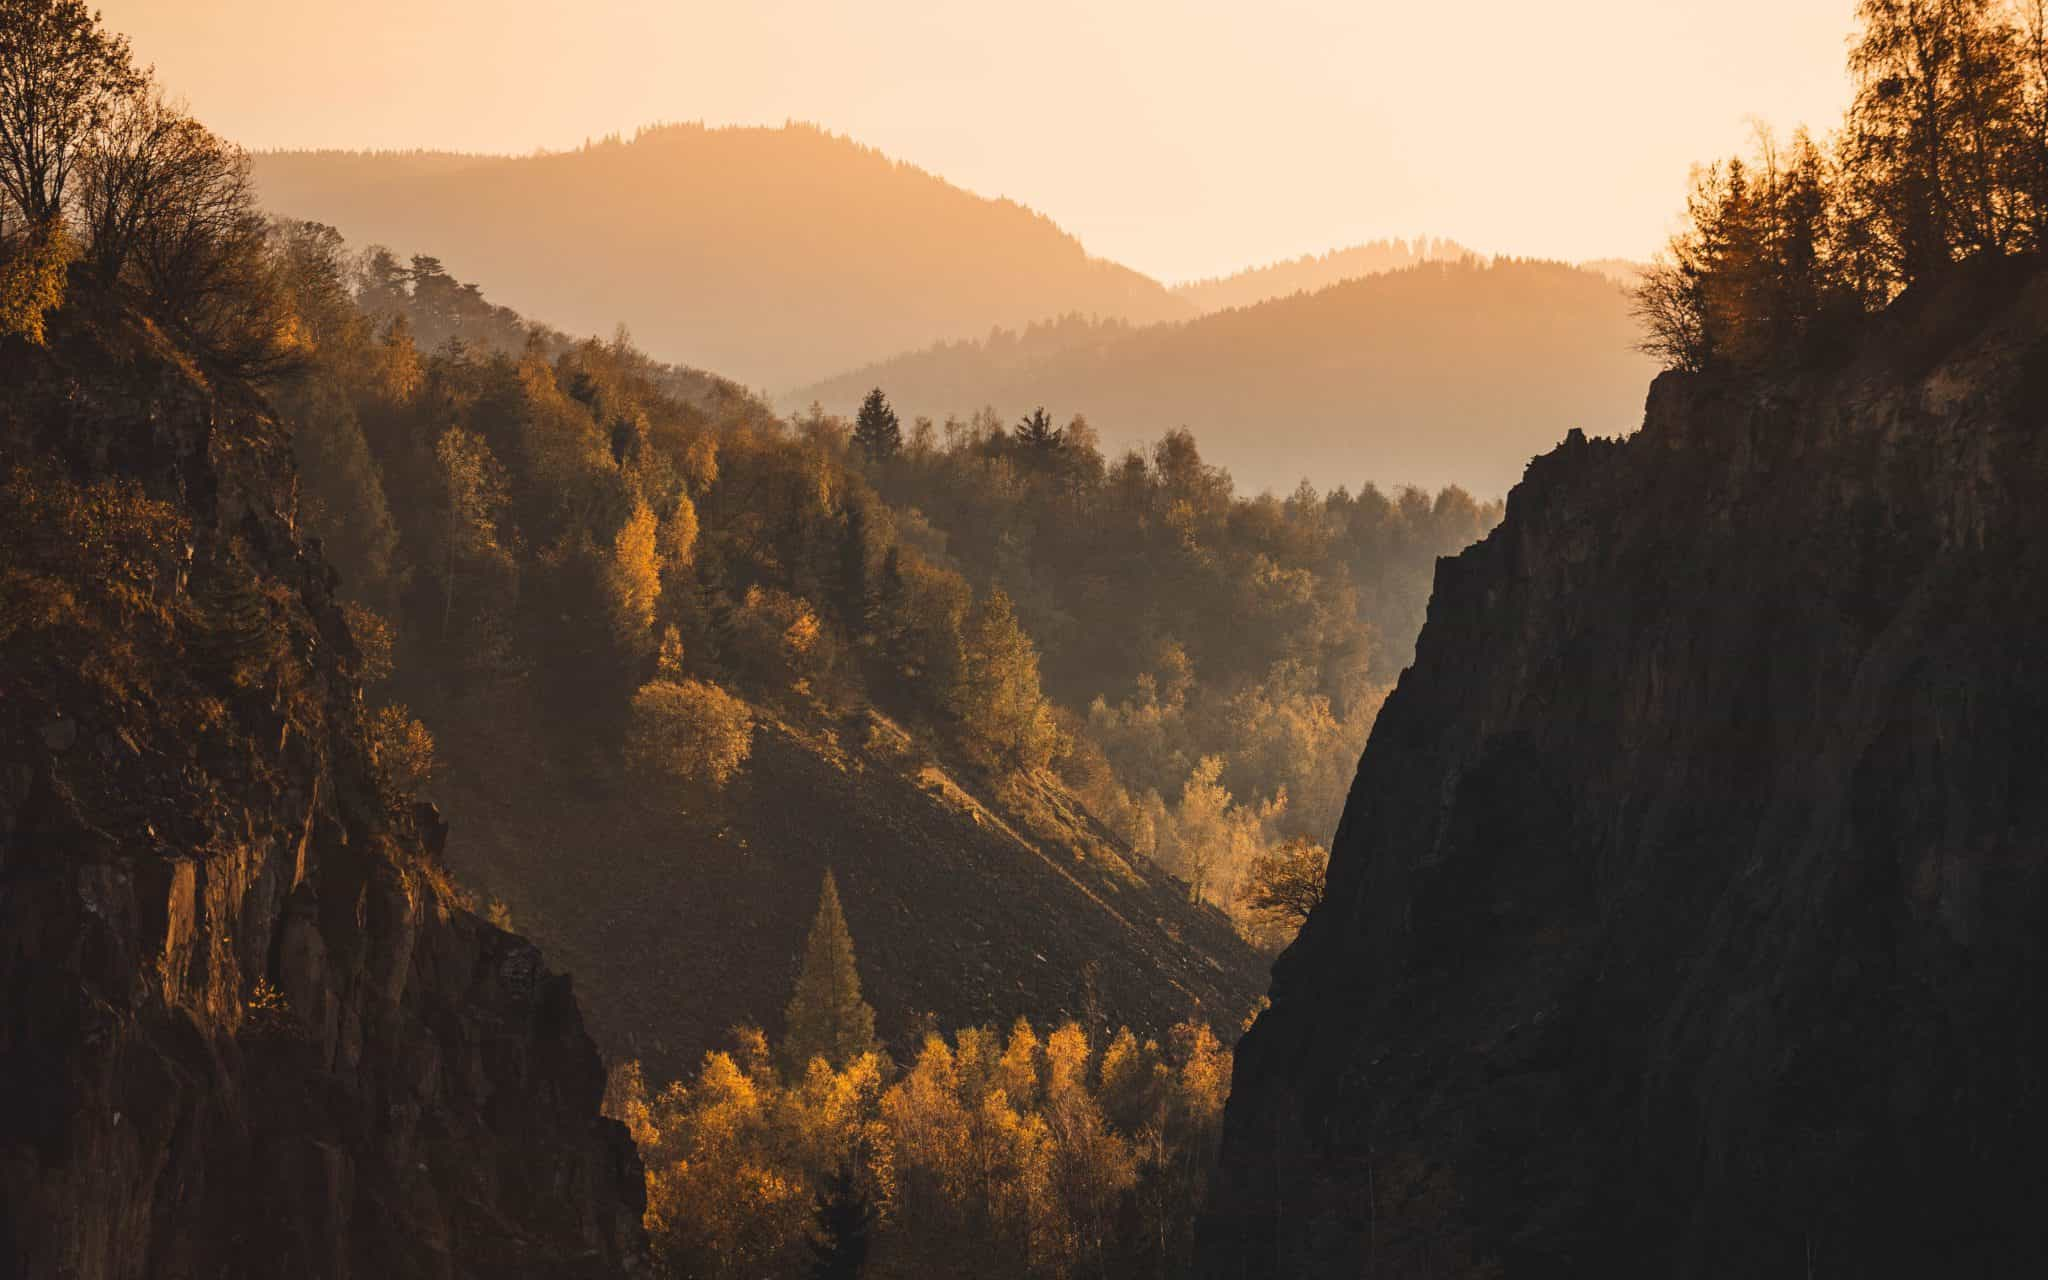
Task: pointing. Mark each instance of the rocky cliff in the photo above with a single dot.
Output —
(1689, 915)
(246, 1029)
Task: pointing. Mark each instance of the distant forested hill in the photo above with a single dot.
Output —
(1314, 271)
(1443, 373)
(776, 256)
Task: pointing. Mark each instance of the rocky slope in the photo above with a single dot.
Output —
(245, 1027)
(1690, 910)
(970, 902)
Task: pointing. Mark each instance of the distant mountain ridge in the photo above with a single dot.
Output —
(1441, 373)
(775, 256)
(1312, 271)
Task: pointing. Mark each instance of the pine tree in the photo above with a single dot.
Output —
(1037, 434)
(877, 430)
(826, 1017)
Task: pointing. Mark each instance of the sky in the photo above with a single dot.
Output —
(1185, 138)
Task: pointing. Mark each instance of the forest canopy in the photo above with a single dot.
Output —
(1943, 158)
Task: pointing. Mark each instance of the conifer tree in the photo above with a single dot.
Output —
(877, 430)
(826, 1017)
(1037, 434)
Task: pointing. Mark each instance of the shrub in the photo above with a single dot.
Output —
(688, 731)
(402, 753)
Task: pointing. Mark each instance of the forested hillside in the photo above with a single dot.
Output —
(1225, 656)
(606, 575)
(775, 256)
(1439, 374)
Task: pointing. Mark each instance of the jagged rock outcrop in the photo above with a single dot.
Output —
(1689, 915)
(245, 1029)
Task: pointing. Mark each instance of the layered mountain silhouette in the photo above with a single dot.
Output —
(776, 256)
(1443, 373)
(785, 258)
(1314, 271)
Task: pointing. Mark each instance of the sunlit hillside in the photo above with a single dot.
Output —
(775, 256)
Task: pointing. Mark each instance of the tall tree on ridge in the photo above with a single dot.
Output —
(877, 430)
(61, 74)
(1038, 436)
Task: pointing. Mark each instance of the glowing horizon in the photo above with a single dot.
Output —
(1184, 140)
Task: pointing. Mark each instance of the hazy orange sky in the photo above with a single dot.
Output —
(1181, 137)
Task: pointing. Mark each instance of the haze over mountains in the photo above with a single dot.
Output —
(773, 256)
(1444, 373)
(804, 263)
(1312, 271)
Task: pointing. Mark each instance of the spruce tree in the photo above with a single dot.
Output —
(826, 1017)
(1038, 436)
(876, 430)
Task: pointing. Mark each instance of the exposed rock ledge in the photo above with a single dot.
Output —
(244, 1030)
(1689, 915)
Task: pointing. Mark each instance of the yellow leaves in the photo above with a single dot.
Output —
(32, 279)
(633, 578)
(725, 1089)
(688, 732)
(1018, 1070)
(801, 636)
(989, 1156)
(81, 555)
(782, 638)
(700, 464)
(668, 657)
(374, 639)
(1203, 1082)
(1066, 1060)
(399, 373)
(679, 534)
(996, 696)
(401, 753)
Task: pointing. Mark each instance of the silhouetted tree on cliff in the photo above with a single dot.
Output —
(1943, 158)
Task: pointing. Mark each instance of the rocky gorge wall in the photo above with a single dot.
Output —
(246, 1027)
(1689, 912)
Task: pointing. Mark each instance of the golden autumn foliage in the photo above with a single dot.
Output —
(32, 278)
(401, 752)
(1029, 1155)
(782, 640)
(1284, 885)
(104, 556)
(688, 732)
(634, 578)
(376, 645)
(996, 695)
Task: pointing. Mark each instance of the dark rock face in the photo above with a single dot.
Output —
(1689, 915)
(244, 1028)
